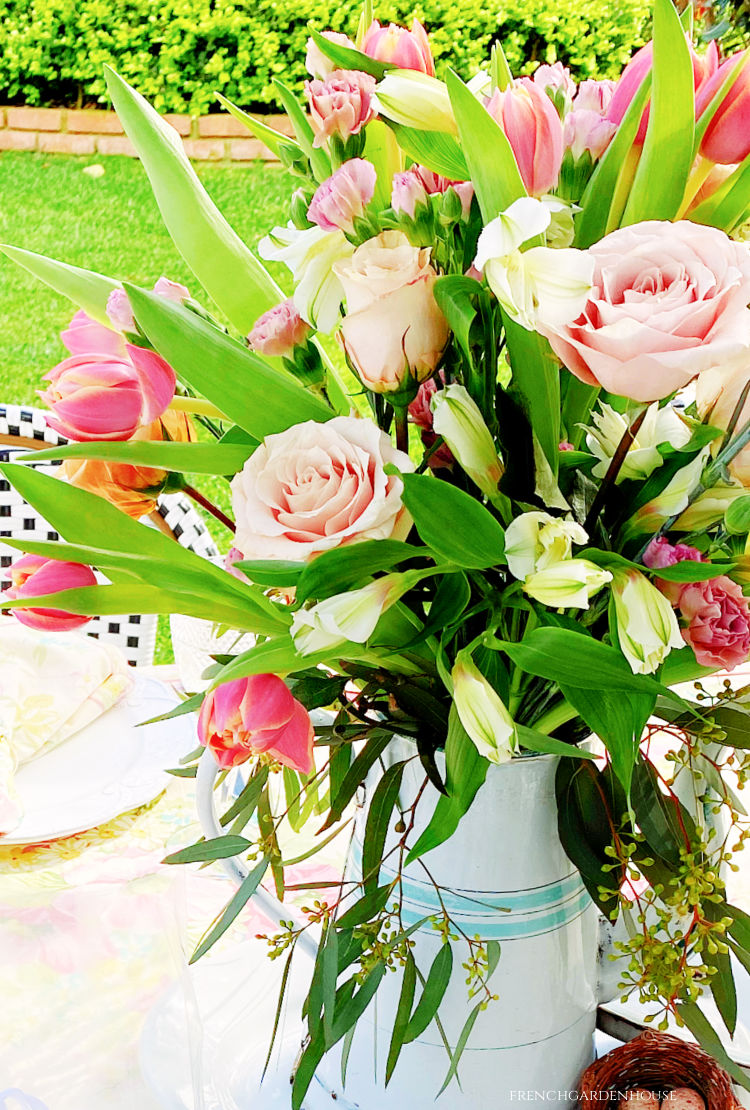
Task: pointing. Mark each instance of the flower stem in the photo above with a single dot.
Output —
(402, 428)
(209, 506)
(614, 469)
(197, 405)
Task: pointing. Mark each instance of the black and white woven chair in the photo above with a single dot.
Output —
(23, 428)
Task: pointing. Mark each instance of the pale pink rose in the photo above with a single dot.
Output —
(85, 336)
(341, 105)
(279, 331)
(393, 331)
(594, 96)
(256, 715)
(554, 79)
(319, 64)
(718, 617)
(669, 301)
(402, 48)
(35, 576)
(121, 314)
(586, 131)
(416, 184)
(343, 197)
(534, 130)
(319, 486)
(421, 414)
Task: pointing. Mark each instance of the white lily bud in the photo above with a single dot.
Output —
(534, 541)
(646, 624)
(347, 618)
(458, 419)
(310, 255)
(414, 99)
(567, 585)
(659, 426)
(673, 499)
(482, 712)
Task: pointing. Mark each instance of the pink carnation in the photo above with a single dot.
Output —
(594, 96)
(416, 184)
(279, 331)
(340, 105)
(343, 197)
(661, 553)
(718, 617)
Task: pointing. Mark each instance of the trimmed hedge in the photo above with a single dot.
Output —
(177, 52)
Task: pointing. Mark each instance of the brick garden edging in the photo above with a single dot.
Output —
(214, 138)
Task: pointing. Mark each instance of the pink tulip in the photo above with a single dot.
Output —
(585, 131)
(100, 396)
(253, 716)
(727, 137)
(402, 48)
(416, 184)
(636, 70)
(121, 314)
(84, 335)
(343, 197)
(529, 119)
(595, 96)
(279, 331)
(341, 105)
(36, 576)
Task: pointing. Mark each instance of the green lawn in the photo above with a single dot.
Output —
(109, 224)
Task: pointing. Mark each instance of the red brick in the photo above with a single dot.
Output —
(2, 117)
(250, 150)
(35, 119)
(279, 123)
(67, 144)
(116, 144)
(94, 121)
(205, 150)
(221, 126)
(182, 124)
(18, 140)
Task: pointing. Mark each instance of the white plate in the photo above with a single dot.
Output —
(104, 770)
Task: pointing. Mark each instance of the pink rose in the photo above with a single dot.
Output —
(84, 336)
(402, 48)
(533, 128)
(121, 314)
(256, 715)
(319, 64)
(319, 486)
(343, 197)
(669, 301)
(279, 331)
(416, 184)
(718, 617)
(586, 131)
(341, 105)
(393, 331)
(100, 396)
(717, 394)
(594, 96)
(36, 576)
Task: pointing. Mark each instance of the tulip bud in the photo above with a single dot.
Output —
(85, 336)
(646, 625)
(416, 100)
(349, 617)
(660, 426)
(341, 105)
(727, 137)
(595, 96)
(343, 197)
(536, 540)
(279, 331)
(482, 712)
(402, 48)
(566, 585)
(256, 716)
(534, 131)
(556, 82)
(458, 419)
(36, 576)
(412, 188)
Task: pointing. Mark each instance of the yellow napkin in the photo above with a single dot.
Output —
(52, 684)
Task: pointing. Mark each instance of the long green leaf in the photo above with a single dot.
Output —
(320, 161)
(221, 847)
(335, 571)
(460, 1046)
(232, 910)
(453, 523)
(365, 908)
(656, 194)
(535, 741)
(401, 1020)
(224, 266)
(536, 383)
(244, 386)
(433, 993)
(274, 140)
(346, 57)
(85, 288)
(383, 800)
(191, 458)
(708, 1039)
(376, 744)
(438, 150)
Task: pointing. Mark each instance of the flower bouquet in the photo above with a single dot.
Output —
(504, 512)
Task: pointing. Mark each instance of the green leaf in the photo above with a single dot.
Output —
(192, 458)
(320, 161)
(221, 847)
(737, 518)
(535, 741)
(617, 719)
(453, 523)
(85, 288)
(366, 908)
(250, 391)
(433, 993)
(247, 800)
(260, 130)
(376, 744)
(690, 570)
(232, 910)
(329, 974)
(338, 570)
(437, 150)
(224, 266)
(273, 656)
(460, 1046)
(740, 927)
(590, 807)
(306, 1068)
(454, 295)
(664, 822)
(723, 988)
(709, 1040)
(381, 806)
(382, 152)
(656, 194)
(347, 57)
(271, 572)
(728, 206)
(401, 1019)
(489, 156)
(536, 383)
(466, 771)
(352, 1010)
(734, 720)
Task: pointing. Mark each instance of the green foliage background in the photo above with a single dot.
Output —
(178, 52)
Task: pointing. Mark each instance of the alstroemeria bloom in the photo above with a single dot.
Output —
(566, 585)
(660, 426)
(256, 716)
(556, 81)
(537, 285)
(536, 540)
(533, 128)
(458, 419)
(673, 499)
(84, 335)
(343, 197)
(482, 712)
(646, 625)
(402, 48)
(310, 255)
(35, 576)
(416, 100)
(341, 105)
(103, 397)
(352, 616)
